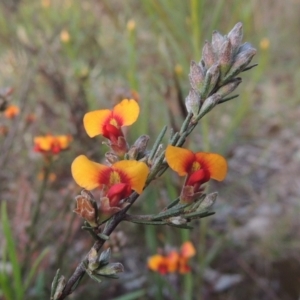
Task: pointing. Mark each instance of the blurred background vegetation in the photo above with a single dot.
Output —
(63, 58)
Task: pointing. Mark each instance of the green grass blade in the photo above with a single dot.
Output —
(132, 296)
(5, 287)
(12, 254)
(33, 270)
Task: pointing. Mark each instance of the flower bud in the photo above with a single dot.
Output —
(236, 36)
(208, 55)
(59, 288)
(93, 262)
(213, 73)
(196, 75)
(137, 150)
(208, 105)
(193, 102)
(111, 269)
(105, 257)
(225, 56)
(229, 87)
(245, 47)
(217, 41)
(86, 207)
(208, 201)
(241, 61)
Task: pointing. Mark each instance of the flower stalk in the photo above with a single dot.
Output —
(132, 169)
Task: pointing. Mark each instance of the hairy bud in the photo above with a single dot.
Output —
(217, 41)
(242, 60)
(225, 57)
(196, 75)
(193, 102)
(236, 36)
(229, 87)
(214, 73)
(208, 55)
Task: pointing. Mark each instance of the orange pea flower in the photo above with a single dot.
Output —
(50, 144)
(164, 264)
(187, 251)
(173, 261)
(109, 123)
(199, 168)
(116, 181)
(11, 111)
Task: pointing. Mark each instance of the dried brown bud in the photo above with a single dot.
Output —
(236, 36)
(86, 208)
(229, 87)
(196, 75)
(208, 55)
(193, 102)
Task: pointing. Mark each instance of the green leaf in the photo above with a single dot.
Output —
(175, 210)
(199, 215)
(173, 203)
(54, 284)
(147, 222)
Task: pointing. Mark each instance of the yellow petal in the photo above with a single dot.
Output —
(135, 171)
(215, 163)
(179, 159)
(93, 121)
(44, 142)
(155, 261)
(87, 173)
(64, 141)
(127, 111)
(187, 250)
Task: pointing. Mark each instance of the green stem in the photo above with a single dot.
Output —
(202, 250)
(132, 59)
(196, 17)
(36, 211)
(187, 278)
